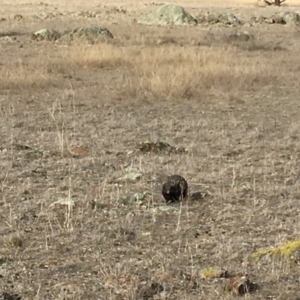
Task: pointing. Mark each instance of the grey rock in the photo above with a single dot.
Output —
(168, 14)
(165, 209)
(63, 202)
(290, 18)
(199, 195)
(225, 18)
(45, 34)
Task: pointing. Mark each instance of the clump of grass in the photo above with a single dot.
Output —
(101, 55)
(23, 76)
(211, 273)
(286, 250)
(173, 72)
(14, 240)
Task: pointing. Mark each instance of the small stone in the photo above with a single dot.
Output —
(63, 202)
(132, 176)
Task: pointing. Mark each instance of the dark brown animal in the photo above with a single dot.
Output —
(175, 188)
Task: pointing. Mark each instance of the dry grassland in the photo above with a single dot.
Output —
(71, 117)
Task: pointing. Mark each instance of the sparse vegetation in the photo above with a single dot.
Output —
(91, 130)
(13, 240)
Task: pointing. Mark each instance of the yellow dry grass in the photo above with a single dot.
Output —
(24, 76)
(167, 71)
(174, 72)
(282, 251)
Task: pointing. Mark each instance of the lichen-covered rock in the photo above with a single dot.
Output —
(290, 18)
(156, 147)
(133, 176)
(45, 34)
(225, 18)
(257, 20)
(8, 38)
(168, 14)
(91, 33)
(275, 19)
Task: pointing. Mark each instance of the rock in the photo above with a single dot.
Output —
(175, 188)
(225, 18)
(63, 202)
(156, 147)
(259, 20)
(8, 38)
(45, 34)
(240, 285)
(132, 176)
(166, 209)
(290, 18)
(116, 10)
(275, 19)
(86, 14)
(90, 33)
(168, 14)
(136, 198)
(199, 195)
(45, 15)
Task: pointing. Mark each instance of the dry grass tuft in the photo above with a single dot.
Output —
(103, 56)
(14, 240)
(174, 72)
(284, 251)
(20, 76)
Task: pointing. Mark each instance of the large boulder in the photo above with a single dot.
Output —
(168, 14)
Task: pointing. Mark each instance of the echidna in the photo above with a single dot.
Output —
(175, 188)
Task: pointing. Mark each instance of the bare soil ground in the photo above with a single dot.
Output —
(71, 117)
